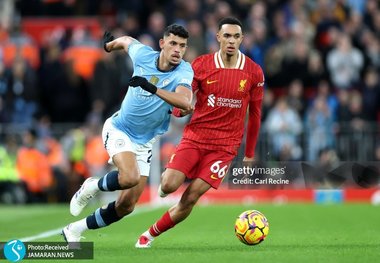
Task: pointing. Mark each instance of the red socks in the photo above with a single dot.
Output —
(161, 225)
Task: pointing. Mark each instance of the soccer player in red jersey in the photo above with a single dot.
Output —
(227, 84)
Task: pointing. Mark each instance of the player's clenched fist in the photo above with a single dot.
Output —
(107, 37)
(143, 83)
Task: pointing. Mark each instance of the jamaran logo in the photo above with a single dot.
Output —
(14, 250)
(242, 85)
(211, 100)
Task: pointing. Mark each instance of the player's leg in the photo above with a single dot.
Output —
(107, 214)
(126, 176)
(175, 214)
(211, 169)
(171, 180)
(126, 201)
(122, 154)
(180, 165)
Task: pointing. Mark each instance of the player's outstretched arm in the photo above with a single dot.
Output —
(181, 98)
(111, 44)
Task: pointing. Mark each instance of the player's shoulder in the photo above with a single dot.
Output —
(140, 49)
(203, 62)
(251, 65)
(185, 66)
(202, 59)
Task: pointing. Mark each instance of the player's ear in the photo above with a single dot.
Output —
(218, 37)
(161, 43)
(241, 39)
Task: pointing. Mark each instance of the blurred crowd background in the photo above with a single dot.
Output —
(321, 59)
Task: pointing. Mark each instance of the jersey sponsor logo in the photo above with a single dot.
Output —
(242, 85)
(211, 81)
(212, 100)
(154, 80)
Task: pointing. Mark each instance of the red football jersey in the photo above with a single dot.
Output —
(223, 96)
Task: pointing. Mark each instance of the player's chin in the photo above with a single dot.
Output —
(231, 52)
(175, 62)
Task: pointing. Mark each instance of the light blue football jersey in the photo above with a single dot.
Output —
(143, 115)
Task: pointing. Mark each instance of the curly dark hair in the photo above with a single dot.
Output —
(176, 30)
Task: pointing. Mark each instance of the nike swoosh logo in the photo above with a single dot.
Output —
(213, 176)
(211, 81)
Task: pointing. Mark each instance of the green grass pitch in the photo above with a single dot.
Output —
(298, 233)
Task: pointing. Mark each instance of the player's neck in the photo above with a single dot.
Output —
(163, 65)
(228, 60)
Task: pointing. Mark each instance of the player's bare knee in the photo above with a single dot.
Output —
(168, 185)
(128, 179)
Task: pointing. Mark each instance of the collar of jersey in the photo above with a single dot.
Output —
(172, 69)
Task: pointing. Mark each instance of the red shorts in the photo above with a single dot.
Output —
(209, 165)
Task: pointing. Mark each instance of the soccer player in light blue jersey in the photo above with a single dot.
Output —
(161, 80)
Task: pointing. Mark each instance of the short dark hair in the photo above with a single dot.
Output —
(176, 30)
(230, 21)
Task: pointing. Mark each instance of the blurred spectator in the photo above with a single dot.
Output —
(295, 65)
(22, 93)
(319, 124)
(327, 16)
(343, 111)
(371, 46)
(156, 25)
(11, 189)
(74, 145)
(57, 159)
(295, 98)
(5, 107)
(66, 84)
(324, 91)
(95, 155)
(130, 25)
(107, 83)
(284, 125)
(371, 95)
(357, 118)
(34, 169)
(344, 63)
(196, 40)
(268, 104)
(315, 70)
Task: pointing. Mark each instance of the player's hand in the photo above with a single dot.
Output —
(107, 37)
(142, 82)
(248, 159)
(186, 112)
